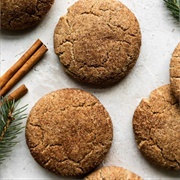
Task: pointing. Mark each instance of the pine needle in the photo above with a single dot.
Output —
(174, 7)
(10, 125)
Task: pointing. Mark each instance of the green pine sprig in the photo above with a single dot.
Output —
(174, 7)
(10, 125)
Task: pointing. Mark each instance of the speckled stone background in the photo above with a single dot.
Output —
(160, 35)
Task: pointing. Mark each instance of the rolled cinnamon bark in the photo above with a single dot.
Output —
(9, 74)
(18, 93)
(24, 69)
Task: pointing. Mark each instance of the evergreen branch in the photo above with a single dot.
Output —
(10, 125)
(174, 7)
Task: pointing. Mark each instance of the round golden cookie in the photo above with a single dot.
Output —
(22, 14)
(156, 125)
(69, 132)
(113, 173)
(98, 41)
(175, 72)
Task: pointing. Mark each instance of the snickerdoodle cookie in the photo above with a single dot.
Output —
(69, 132)
(98, 41)
(22, 14)
(156, 125)
(113, 173)
(175, 72)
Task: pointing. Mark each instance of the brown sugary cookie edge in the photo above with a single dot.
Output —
(113, 173)
(175, 72)
(159, 146)
(16, 16)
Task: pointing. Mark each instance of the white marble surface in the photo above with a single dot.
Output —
(160, 35)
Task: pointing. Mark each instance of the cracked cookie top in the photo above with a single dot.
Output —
(113, 173)
(175, 72)
(69, 132)
(22, 14)
(156, 125)
(98, 41)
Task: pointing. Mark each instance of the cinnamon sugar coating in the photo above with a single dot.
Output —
(98, 42)
(156, 125)
(113, 173)
(175, 72)
(69, 132)
(22, 14)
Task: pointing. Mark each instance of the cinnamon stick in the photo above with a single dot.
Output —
(18, 93)
(9, 74)
(24, 69)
